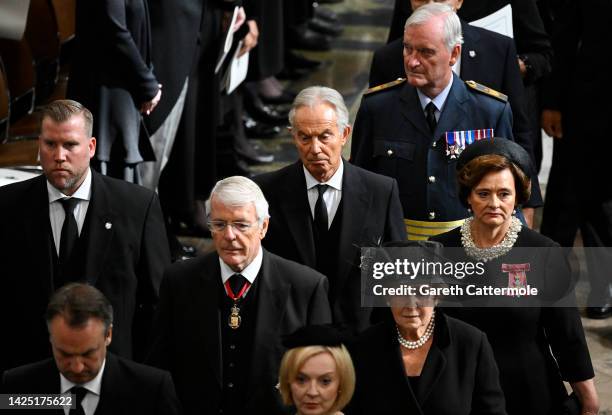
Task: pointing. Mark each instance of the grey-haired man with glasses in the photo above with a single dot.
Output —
(221, 316)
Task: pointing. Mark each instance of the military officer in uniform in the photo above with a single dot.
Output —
(413, 130)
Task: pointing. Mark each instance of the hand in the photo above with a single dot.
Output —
(522, 67)
(250, 40)
(148, 107)
(529, 212)
(551, 123)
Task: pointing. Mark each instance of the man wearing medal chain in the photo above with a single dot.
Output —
(221, 316)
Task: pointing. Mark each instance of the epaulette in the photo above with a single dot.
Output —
(486, 90)
(387, 85)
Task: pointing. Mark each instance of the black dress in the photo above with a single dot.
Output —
(522, 339)
(459, 377)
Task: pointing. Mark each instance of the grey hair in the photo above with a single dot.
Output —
(313, 95)
(453, 35)
(239, 191)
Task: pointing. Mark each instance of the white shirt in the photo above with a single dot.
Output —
(250, 272)
(332, 195)
(56, 210)
(92, 397)
(438, 101)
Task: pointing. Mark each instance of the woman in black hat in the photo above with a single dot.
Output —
(493, 182)
(316, 374)
(417, 360)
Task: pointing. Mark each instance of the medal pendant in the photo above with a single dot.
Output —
(234, 319)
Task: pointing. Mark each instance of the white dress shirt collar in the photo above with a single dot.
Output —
(335, 181)
(82, 193)
(94, 387)
(250, 272)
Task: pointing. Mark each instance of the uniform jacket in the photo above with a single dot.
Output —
(486, 57)
(127, 387)
(187, 331)
(126, 252)
(371, 214)
(391, 137)
(459, 377)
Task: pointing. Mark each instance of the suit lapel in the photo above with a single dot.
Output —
(404, 391)
(453, 111)
(470, 55)
(296, 211)
(111, 392)
(435, 363)
(38, 232)
(273, 292)
(411, 109)
(355, 207)
(208, 335)
(100, 229)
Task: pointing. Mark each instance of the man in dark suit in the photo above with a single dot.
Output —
(576, 113)
(486, 57)
(360, 208)
(414, 130)
(113, 238)
(221, 316)
(80, 323)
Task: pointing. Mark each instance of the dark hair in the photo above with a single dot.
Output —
(77, 303)
(62, 110)
(476, 169)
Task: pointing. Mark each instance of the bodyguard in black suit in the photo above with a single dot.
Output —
(363, 208)
(80, 321)
(115, 240)
(221, 316)
(486, 57)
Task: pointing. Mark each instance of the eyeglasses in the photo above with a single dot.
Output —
(220, 225)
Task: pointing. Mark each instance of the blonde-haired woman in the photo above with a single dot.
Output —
(316, 374)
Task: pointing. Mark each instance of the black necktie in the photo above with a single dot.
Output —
(80, 393)
(70, 230)
(320, 216)
(236, 283)
(430, 110)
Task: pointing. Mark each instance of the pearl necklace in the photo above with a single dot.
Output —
(487, 254)
(409, 344)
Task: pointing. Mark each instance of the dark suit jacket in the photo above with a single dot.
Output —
(371, 214)
(459, 377)
(126, 252)
(391, 137)
(127, 387)
(486, 57)
(522, 339)
(187, 331)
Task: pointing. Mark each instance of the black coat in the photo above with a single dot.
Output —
(112, 74)
(127, 387)
(486, 57)
(187, 331)
(125, 255)
(522, 339)
(371, 214)
(459, 377)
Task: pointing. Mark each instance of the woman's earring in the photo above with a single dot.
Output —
(514, 212)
